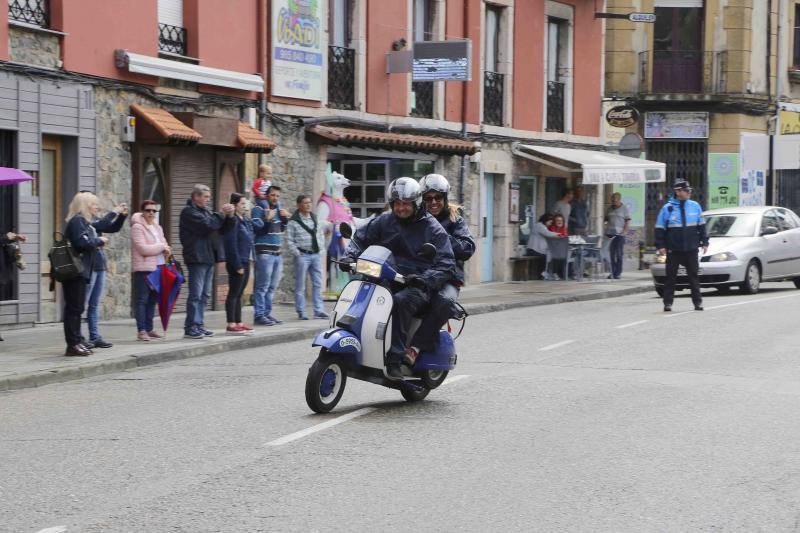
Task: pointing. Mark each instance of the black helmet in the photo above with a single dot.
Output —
(404, 189)
(434, 182)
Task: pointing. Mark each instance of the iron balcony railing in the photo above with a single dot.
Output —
(341, 77)
(423, 93)
(493, 98)
(683, 71)
(36, 12)
(172, 39)
(555, 106)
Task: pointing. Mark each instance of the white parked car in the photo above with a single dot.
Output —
(747, 245)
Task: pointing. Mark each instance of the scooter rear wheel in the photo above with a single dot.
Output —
(434, 378)
(325, 383)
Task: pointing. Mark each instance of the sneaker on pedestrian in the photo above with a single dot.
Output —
(154, 335)
(275, 320)
(87, 344)
(246, 328)
(235, 330)
(555, 277)
(194, 334)
(205, 332)
(143, 336)
(100, 343)
(263, 321)
(322, 315)
(302, 316)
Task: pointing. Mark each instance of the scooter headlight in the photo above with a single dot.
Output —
(368, 268)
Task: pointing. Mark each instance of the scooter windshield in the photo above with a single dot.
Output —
(377, 254)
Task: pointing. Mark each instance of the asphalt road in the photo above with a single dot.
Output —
(596, 416)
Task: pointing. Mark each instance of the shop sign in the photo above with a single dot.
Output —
(442, 60)
(622, 116)
(723, 180)
(676, 125)
(297, 58)
(752, 188)
(790, 122)
(632, 196)
(513, 202)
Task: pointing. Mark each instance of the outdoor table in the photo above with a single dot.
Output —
(579, 247)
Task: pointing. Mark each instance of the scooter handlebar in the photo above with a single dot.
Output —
(399, 278)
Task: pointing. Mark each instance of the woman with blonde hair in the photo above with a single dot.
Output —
(84, 240)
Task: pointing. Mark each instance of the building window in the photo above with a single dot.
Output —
(493, 81)
(341, 57)
(8, 213)
(796, 54)
(35, 12)
(678, 56)
(423, 31)
(171, 33)
(557, 65)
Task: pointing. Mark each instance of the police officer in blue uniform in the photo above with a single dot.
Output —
(680, 233)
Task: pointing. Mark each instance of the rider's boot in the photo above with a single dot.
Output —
(393, 369)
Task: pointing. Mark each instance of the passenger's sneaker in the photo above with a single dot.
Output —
(322, 315)
(263, 321)
(275, 320)
(194, 334)
(410, 356)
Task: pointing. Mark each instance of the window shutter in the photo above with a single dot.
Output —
(678, 3)
(170, 12)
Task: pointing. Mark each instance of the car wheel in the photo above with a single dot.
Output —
(752, 278)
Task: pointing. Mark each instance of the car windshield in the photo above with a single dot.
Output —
(732, 225)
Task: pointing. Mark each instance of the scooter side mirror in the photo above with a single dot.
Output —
(427, 252)
(345, 230)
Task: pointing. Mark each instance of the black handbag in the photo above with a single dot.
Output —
(65, 262)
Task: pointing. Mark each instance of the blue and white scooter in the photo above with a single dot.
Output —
(359, 336)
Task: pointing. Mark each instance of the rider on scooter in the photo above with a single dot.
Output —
(404, 230)
(435, 189)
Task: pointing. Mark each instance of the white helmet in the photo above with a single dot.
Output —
(404, 189)
(434, 182)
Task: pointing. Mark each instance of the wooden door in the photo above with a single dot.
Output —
(51, 219)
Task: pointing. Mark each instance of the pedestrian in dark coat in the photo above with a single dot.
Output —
(238, 252)
(198, 229)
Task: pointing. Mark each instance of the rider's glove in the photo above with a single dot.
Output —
(416, 281)
(346, 267)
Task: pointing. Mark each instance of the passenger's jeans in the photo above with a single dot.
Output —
(201, 277)
(94, 292)
(408, 303)
(74, 291)
(268, 274)
(441, 309)
(236, 284)
(145, 302)
(616, 252)
(312, 264)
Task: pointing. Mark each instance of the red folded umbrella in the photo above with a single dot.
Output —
(166, 282)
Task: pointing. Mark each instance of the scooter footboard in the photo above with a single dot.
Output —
(341, 342)
(444, 358)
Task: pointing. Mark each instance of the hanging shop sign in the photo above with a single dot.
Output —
(297, 49)
(622, 116)
(442, 60)
(676, 125)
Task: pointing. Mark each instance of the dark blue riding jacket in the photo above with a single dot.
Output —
(460, 239)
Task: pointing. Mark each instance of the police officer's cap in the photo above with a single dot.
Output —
(682, 185)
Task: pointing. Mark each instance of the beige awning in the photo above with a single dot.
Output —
(598, 168)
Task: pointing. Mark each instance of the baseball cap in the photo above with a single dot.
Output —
(682, 184)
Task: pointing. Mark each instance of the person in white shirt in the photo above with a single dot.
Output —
(564, 206)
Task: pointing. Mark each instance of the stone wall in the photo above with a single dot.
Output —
(33, 47)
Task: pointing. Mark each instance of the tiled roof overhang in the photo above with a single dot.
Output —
(393, 141)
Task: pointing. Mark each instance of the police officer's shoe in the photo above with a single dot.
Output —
(667, 308)
(698, 307)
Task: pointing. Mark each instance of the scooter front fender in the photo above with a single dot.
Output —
(341, 342)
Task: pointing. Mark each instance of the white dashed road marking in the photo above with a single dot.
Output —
(623, 326)
(556, 345)
(297, 435)
(56, 529)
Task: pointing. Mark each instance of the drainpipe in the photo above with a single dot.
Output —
(462, 178)
(771, 170)
(262, 63)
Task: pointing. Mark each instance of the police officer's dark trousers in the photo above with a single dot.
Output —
(688, 260)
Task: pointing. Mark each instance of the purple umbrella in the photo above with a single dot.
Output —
(10, 176)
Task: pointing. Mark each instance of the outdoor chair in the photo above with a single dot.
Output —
(593, 257)
(558, 249)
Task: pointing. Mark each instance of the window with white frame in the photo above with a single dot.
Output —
(341, 55)
(422, 29)
(557, 68)
(34, 12)
(493, 80)
(171, 32)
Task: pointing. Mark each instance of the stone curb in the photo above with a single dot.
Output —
(128, 362)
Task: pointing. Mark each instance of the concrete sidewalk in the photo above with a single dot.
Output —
(33, 357)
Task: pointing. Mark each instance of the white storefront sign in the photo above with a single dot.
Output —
(297, 49)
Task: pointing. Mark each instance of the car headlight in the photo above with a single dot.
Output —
(724, 256)
(368, 268)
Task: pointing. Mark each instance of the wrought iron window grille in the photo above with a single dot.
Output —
(493, 83)
(423, 90)
(35, 12)
(341, 77)
(171, 39)
(555, 106)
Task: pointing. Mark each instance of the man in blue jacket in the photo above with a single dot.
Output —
(199, 230)
(404, 230)
(269, 223)
(680, 233)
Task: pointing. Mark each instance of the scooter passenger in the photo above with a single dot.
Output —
(435, 189)
(404, 230)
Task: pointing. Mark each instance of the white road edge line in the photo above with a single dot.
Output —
(297, 435)
(623, 326)
(56, 529)
(745, 302)
(556, 345)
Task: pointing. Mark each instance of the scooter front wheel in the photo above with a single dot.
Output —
(411, 395)
(325, 384)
